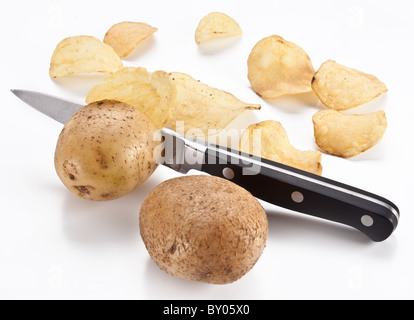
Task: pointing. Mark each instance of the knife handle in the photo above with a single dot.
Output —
(304, 192)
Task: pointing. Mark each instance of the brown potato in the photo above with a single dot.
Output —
(203, 228)
(342, 88)
(125, 36)
(277, 67)
(348, 135)
(105, 151)
(269, 140)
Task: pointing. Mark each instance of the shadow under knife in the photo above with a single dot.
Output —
(294, 226)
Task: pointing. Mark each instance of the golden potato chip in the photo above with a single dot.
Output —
(202, 107)
(348, 135)
(125, 36)
(151, 93)
(83, 54)
(269, 140)
(342, 88)
(277, 67)
(216, 25)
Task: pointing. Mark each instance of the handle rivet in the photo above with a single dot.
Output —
(228, 173)
(297, 197)
(367, 221)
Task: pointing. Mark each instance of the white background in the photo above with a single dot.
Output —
(54, 245)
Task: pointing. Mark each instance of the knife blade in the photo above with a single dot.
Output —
(269, 181)
(58, 109)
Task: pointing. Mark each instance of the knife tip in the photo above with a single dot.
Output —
(16, 92)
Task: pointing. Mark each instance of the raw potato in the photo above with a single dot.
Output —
(277, 67)
(348, 135)
(151, 93)
(125, 36)
(343, 88)
(268, 139)
(216, 25)
(203, 108)
(83, 54)
(203, 228)
(105, 151)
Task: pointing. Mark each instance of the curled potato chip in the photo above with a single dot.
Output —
(269, 140)
(203, 108)
(348, 135)
(216, 25)
(277, 67)
(343, 88)
(83, 54)
(125, 36)
(151, 93)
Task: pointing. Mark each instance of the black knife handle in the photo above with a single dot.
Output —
(305, 192)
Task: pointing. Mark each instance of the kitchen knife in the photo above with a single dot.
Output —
(272, 182)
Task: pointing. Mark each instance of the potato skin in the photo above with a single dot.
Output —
(105, 150)
(203, 228)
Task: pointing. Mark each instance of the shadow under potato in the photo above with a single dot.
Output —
(107, 221)
(296, 103)
(118, 221)
(141, 49)
(215, 46)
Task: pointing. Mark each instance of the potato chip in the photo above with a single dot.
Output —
(83, 54)
(348, 135)
(125, 36)
(269, 140)
(343, 88)
(203, 108)
(277, 67)
(216, 25)
(151, 93)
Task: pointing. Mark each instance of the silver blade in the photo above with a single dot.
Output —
(181, 154)
(56, 108)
